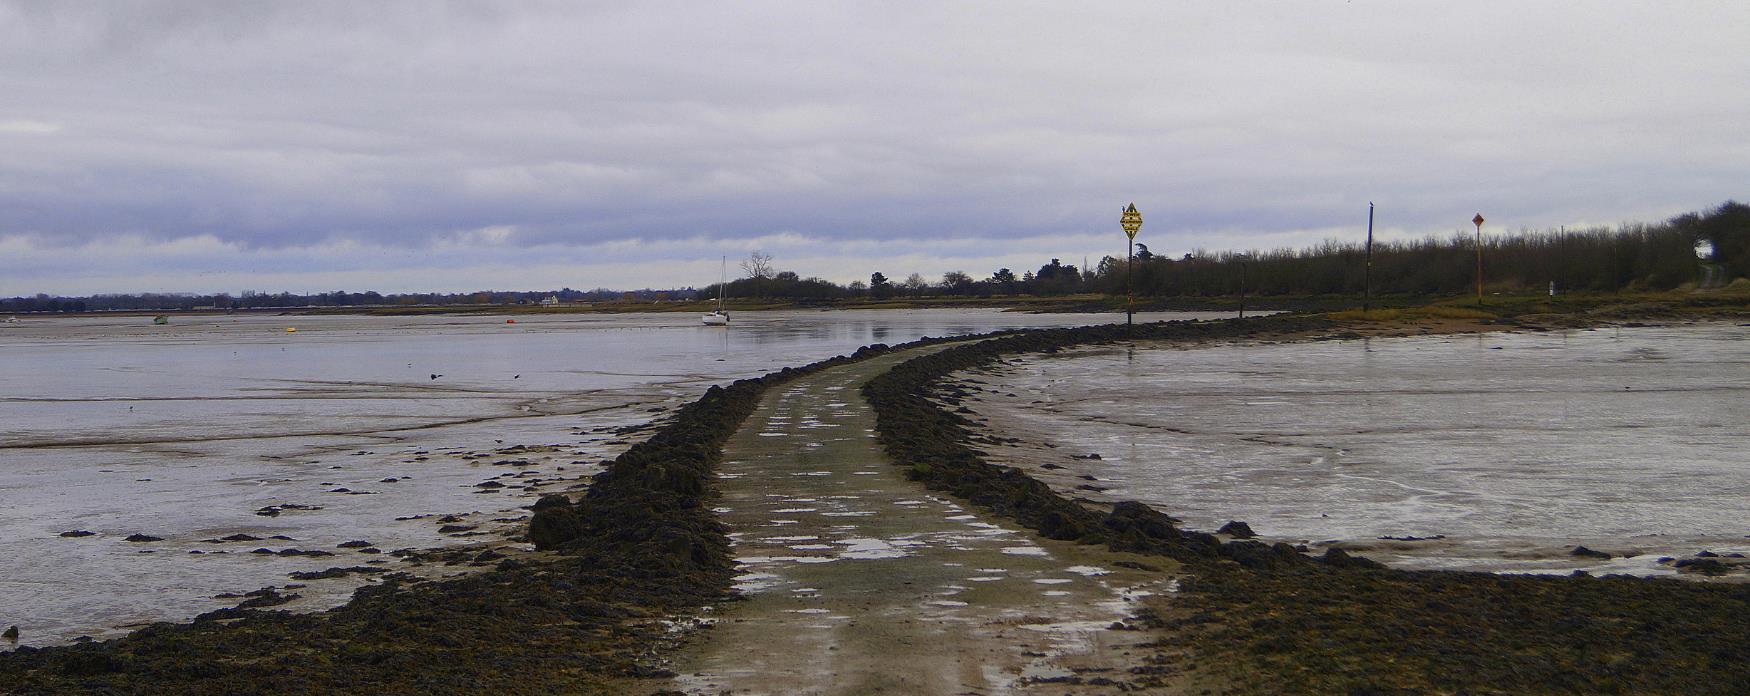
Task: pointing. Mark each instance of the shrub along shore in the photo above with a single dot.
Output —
(643, 546)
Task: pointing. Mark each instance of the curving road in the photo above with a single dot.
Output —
(860, 581)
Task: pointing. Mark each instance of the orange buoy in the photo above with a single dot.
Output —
(510, 321)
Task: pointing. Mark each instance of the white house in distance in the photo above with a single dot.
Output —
(550, 301)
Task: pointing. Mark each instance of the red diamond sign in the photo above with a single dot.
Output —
(1478, 220)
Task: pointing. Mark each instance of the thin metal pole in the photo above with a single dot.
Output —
(1242, 289)
(1367, 292)
(1479, 263)
(1129, 292)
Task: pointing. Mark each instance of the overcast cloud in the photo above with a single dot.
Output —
(206, 146)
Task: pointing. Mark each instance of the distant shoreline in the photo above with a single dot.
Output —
(1506, 305)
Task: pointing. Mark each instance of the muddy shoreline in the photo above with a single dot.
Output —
(583, 615)
(1270, 620)
(1616, 440)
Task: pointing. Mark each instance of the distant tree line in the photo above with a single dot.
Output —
(338, 298)
(763, 282)
(1629, 257)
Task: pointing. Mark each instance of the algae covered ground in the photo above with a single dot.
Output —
(1324, 631)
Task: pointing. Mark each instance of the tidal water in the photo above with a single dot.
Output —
(376, 429)
(1511, 448)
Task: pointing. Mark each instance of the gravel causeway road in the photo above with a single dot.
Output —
(860, 581)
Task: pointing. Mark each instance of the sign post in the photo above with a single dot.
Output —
(1131, 221)
(1478, 221)
(1242, 258)
(1367, 287)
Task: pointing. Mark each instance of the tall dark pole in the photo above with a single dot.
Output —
(1367, 292)
(1478, 221)
(1242, 287)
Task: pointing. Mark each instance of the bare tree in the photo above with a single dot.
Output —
(757, 265)
(956, 282)
(915, 284)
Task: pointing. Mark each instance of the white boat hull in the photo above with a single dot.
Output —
(716, 319)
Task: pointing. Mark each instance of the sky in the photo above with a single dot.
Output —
(422, 146)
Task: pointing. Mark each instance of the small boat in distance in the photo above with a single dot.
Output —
(718, 317)
(10, 320)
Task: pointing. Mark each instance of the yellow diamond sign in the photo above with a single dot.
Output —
(1131, 221)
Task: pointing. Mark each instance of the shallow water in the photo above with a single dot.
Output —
(1514, 447)
(185, 431)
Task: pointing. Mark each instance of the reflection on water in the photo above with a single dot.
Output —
(1512, 447)
(187, 431)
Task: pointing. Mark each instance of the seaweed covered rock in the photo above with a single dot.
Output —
(1705, 566)
(554, 523)
(1260, 556)
(1237, 530)
(1338, 558)
(1584, 552)
(1131, 517)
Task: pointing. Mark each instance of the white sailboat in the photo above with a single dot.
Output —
(718, 317)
